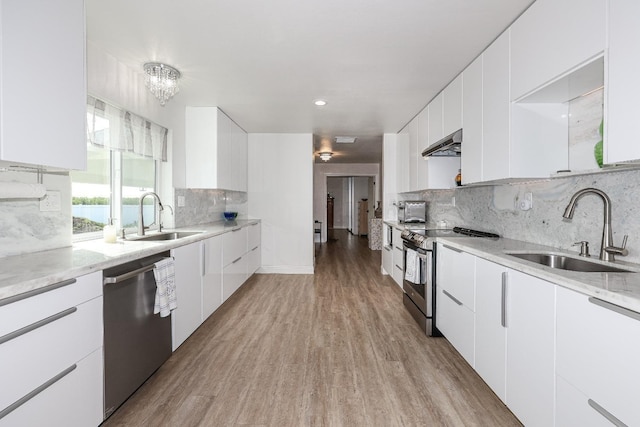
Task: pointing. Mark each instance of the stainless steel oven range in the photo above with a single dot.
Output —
(420, 275)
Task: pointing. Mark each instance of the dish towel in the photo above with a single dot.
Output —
(165, 287)
(412, 267)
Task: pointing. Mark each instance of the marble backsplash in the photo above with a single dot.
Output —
(494, 208)
(202, 206)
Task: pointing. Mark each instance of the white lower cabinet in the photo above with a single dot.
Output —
(398, 256)
(491, 334)
(387, 259)
(597, 354)
(211, 276)
(455, 285)
(254, 260)
(233, 276)
(573, 409)
(188, 316)
(530, 320)
(51, 352)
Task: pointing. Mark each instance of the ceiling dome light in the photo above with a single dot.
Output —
(326, 156)
(320, 102)
(162, 80)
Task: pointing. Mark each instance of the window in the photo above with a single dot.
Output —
(123, 154)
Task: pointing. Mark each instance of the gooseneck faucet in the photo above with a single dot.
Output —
(141, 226)
(607, 250)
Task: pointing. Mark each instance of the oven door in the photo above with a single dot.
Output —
(419, 287)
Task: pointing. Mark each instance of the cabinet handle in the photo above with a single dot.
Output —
(503, 302)
(204, 259)
(36, 325)
(35, 292)
(233, 230)
(457, 301)
(387, 248)
(453, 249)
(27, 397)
(255, 248)
(616, 308)
(608, 415)
(398, 267)
(233, 262)
(129, 275)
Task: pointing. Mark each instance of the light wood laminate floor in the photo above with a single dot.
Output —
(332, 349)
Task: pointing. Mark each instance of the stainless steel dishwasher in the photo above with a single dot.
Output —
(136, 341)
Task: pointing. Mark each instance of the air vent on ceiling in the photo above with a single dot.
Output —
(345, 139)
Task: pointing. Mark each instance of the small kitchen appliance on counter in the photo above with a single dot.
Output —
(420, 260)
(412, 211)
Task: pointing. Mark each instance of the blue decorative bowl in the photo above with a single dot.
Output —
(230, 216)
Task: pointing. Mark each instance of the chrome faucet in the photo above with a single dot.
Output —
(607, 250)
(141, 226)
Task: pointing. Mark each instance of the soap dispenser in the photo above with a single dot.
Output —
(109, 232)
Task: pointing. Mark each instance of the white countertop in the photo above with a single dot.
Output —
(622, 289)
(23, 273)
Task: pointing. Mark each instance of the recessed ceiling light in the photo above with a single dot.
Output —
(345, 139)
(320, 102)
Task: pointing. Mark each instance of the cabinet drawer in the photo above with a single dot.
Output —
(75, 400)
(456, 273)
(254, 260)
(598, 353)
(233, 276)
(34, 357)
(26, 311)
(573, 408)
(456, 322)
(234, 245)
(253, 237)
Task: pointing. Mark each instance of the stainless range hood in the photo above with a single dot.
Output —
(449, 146)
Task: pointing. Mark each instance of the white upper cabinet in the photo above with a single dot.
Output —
(551, 38)
(623, 82)
(436, 130)
(402, 160)
(452, 106)
(471, 159)
(43, 115)
(412, 129)
(216, 150)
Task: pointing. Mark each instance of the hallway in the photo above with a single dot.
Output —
(333, 349)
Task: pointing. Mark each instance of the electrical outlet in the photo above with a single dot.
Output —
(50, 202)
(181, 201)
(526, 203)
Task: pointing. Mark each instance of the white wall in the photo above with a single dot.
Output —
(280, 194)
(320, 174)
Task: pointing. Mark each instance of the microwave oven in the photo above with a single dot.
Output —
(412, 211)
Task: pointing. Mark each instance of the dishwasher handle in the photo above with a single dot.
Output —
(128, 275)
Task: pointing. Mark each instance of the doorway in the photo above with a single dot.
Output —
(350, 204)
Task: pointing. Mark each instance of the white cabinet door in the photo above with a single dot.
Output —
(436, 129)
(398, 256)
(496, 107)
(573, 409)
(254, 260)
(187, 317)
(412, 128)
(253, 235)
(596, 355)
(402, 160)
(551, 38)
(216, 150)
(452, 106)
(530, 320)
(471, 158)
(235, 245)
(387, 259)
(623, 85)
(456, 274)
(43, 116)
(423, 142)
(234, 276)
(456, 322)
(211, 275)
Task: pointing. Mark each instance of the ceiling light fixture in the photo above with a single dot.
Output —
(320, 102)
(326, 156)
(162, 80)
(345, 139)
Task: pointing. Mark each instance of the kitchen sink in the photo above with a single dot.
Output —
(173, 235)
(568, 263)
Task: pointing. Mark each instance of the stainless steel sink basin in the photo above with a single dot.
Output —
(568, 263)
(173, 235)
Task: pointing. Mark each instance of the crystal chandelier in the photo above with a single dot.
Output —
(162, 80)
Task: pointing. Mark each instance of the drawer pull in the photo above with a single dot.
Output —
(35, 292)
(27, 397)
(387, 248)
(255, 248)
(503, 313)
(36, 325)
(453, 249)
(236, 229)
(608, 415)
(616, 308)
(233, 262)
(398, 267)
(457, 301)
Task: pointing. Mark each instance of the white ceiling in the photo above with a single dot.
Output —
(376, 62)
